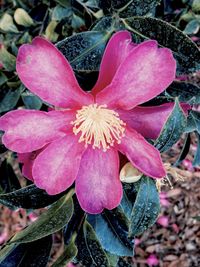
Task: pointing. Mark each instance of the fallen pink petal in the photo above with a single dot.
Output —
(163, 221)
(152, 260)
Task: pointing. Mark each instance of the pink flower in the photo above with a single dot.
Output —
(152, 260)
(163, 221)
(108, 119)
(164, 199)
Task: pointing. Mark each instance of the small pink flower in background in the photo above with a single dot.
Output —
(80, 140)
(152, 260)
(175, 228)
(164, 199)
(188, 164)
(3, 237)
(163, 221)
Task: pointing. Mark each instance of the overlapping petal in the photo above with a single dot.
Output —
(56, 167)
(149, 121)
(117, 49)
(145, 73)
(97, 183)
(47, 73)
(29, 130)
(141, 154)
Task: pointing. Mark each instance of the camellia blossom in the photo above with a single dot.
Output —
(79, 140)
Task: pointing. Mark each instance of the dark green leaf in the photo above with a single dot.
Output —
(113, 259)
(60, 12)
(3, 78)
(193, 122)
(123, 263)
(184, 151)
(7, 59)
(196, 161)
(10, 99)
(172, 130)
(34, 254)
(31, 101)
(29, 197)
(75, 222)
(49, 222)
(67, 256)
(103, 24)
(111, 228)
(186, 92)
(185, 50)
(9, 180)
(192, 27)
(90, 252)
(146, 207)
(129, 8)
(84, 50)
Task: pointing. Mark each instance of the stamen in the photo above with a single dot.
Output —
(98, 126)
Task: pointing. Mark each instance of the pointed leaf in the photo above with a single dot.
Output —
(90, 252)
(184, 151)
(49, 222)
(196, 161)
(84, 50)
(29, 255)
(29, 197)
(146, 207)
(172, 130)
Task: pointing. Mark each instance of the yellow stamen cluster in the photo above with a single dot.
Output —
(98, 126)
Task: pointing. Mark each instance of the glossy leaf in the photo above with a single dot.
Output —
(196, 161)
(129, 8)
(185, 50)
(84, 50)
(9, 99)
(146, 207)
(49, 222)
(185, 91)
(31, 101)
(75, 222)
(9, 180)
(29, 255)
(184, 151)
(172, 130)
(111, 228)
(90, 252)
(192, 27)
(193, 122)
(67, 256)
(29, 197)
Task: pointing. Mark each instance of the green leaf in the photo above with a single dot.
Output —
(22, 18)
(193, 122)
(106, 23)
(60, 12)
(90, 252)
(123, 263)
(9, 180)
(184, 151)
(196, 161)
(7, 25)
(67, 256)
(29, 197)
(84, 50)
(146, 207)
(192, 27)
(3, 78)
(7, 59)
(75, 222)
(111, 228)
(49, 222)
(31, 101)
(185, 50)
(185, 91)
(129, 8)
(30, 254)
(172, 130)
(10, 99)
(196, 6)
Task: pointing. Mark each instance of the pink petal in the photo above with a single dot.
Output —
(163, 221)
(152, 260)
(47, 73)
(141, 154)
(97, 183)
(117, 49)
(144, 74)
(148, 121)
(29, 130)
(27, 159)
(56, 168)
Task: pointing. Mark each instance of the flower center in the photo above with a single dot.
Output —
(98, 126)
